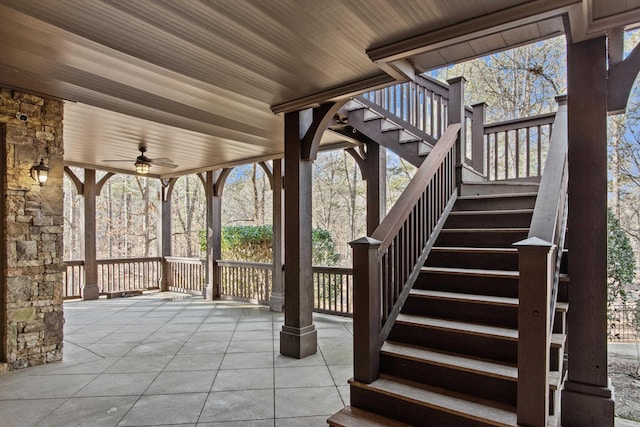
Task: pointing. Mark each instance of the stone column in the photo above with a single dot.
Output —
(587, 398)
(31, 266)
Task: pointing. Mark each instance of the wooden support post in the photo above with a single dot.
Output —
(165, 232)
(478, 143)
(366, 310)
(376, 176)
(456, 115)
(587, 395)
(90, 290)
(536, 259)
(298, 337)
(213, 194)
(277, 291)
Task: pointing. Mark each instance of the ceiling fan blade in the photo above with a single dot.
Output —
(163, 161)
(115, 160)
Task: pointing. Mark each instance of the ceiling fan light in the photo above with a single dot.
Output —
(142, 167)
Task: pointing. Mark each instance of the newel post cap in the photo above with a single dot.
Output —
(533, 243)
(365, 241)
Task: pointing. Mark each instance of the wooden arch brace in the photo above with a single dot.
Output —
(219, 178)
(269, 172)
(622, 73)
(313, 123)
(167, 187)
(80, 185)
(359, 157)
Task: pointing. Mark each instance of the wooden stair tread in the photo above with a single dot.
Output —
(562, 307)
(458, 362)
(491, 212)
(448, 402)
(354, 417)
(453, 296)
(480, 272)
(472, 272)
(486, 230)
(468, 249)
(497, 196)
(462, 327)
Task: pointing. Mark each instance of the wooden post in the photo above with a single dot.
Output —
(587, 396)
(536, 259)
(166, 242)
(298, 337)
(277, 291)
(478, 143)
(456, 115)
(213, 194)
(366, 310)
(90, 290)
(376, 176)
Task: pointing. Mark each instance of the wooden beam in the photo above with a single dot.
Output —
(277, 300)
(213, 196)
(376, 173)
(165, 231)
(622, 75)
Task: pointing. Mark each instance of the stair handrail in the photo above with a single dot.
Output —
(386, 265)
(540, 257)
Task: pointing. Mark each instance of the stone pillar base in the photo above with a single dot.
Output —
(276, 302)
(298, 342)
(585, 405)
(208, 292)
(90, 292)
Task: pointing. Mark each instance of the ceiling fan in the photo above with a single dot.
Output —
(143, 163)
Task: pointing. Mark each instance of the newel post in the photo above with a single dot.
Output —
(478, 144)
(366, 310)
(534, 325)
(457, 115)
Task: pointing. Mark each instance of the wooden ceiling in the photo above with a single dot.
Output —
(199, 81)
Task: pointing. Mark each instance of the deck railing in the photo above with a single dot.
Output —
(185, 274)
(517, 148)
(248, 281)
(539, 258)
(624, 322)
(387, 264)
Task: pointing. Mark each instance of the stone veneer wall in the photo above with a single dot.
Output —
(31, 314)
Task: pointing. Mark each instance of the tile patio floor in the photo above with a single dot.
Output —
(170, 359)
(166, 359)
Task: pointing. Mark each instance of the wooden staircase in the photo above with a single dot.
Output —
(451, 356)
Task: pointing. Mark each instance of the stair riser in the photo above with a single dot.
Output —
(496, 389)
(498, 349)
(480, 239)
(525, 202)
(472, 189)
(476, 285)
(504, 316)
(488, 220)
(483, 261)
(408, 412)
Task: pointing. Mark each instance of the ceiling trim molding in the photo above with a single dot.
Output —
(595, 27)
(502, 20)
(334, 94)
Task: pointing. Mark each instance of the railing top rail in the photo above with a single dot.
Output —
(127, 260)
(184, 260)
(435, 85)
(539, 120)
(390, 225)
(231, 263)
(73, 263)
(545, 212)
(334, 270)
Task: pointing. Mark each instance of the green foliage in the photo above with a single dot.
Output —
(254, 243)
(620, 261)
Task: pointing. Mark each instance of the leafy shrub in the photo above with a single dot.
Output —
(254, 243)
(621, 265)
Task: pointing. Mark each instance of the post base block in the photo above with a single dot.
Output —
(276, 302)
(298, 342)
(208, 292)
(587, 406)
(90, 292)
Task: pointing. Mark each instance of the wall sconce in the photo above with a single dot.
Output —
(40, 172)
